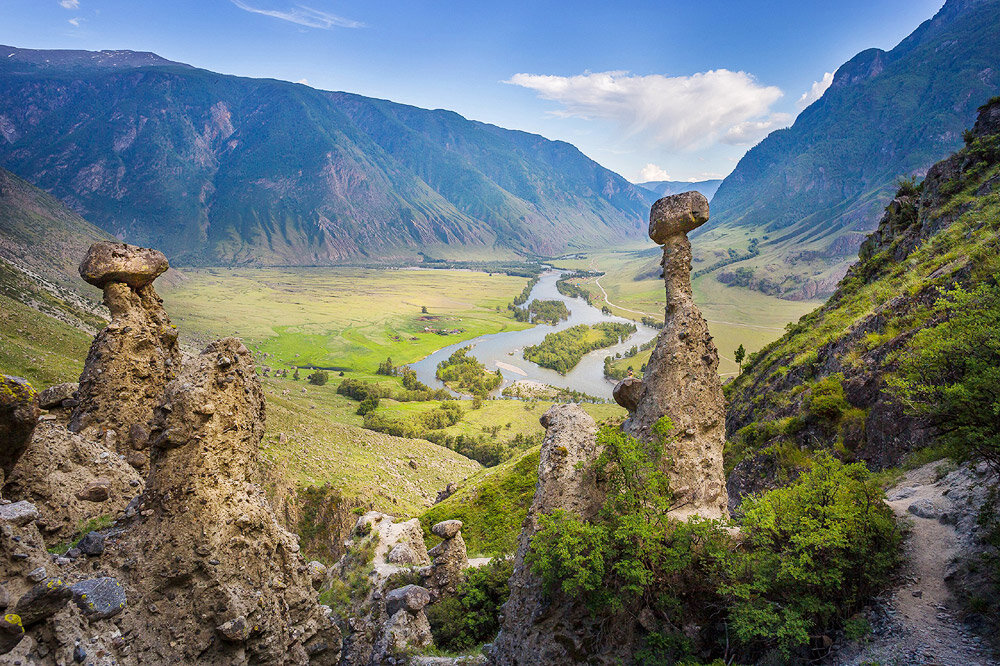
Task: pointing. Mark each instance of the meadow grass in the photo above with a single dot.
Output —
(39, 348)
(344, 318)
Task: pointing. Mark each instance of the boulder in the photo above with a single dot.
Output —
(97, 491)
(11, 632)
(627, 392)
(99, 598)
(53, 397)
(677, 215)
(91, 544)
(235, 630)
(18, 513)
(403, 554)
(447, 529)
(42, 601)
(411, 598)
(108, 262)
(18, 415)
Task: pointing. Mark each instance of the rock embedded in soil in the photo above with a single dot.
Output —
(99, 598)
(42, 601)
(19, 413)
(53, 397)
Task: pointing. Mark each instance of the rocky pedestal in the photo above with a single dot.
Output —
(212, 577)
(535, 627)
(682, 375)
(133, 357)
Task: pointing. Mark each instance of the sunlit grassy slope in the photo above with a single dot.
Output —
(342, 318)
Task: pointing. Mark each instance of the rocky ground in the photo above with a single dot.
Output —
(917, 622)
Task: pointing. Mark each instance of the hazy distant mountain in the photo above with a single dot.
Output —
(817, 188)
(222, 169)
(664, 188)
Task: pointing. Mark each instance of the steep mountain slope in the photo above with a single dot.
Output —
(664, 188)
(220, 169)
(838, 379)
(811, 192)
(41, 243)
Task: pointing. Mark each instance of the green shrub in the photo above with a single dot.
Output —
(814, 553)
(951, 372)
(319, 378)
(826, 402)
(470, 617)
(368, 405)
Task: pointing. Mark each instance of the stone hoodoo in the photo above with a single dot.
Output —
(133, 357)
(535, 627)
(207, 559)
(682, 375)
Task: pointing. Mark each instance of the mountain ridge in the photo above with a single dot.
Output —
(221, 169)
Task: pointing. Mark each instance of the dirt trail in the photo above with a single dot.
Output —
(920, 614)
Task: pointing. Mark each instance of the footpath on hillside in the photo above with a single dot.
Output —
(916, 623)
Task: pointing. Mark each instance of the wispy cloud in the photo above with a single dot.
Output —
(674, 112)
(301, 15)
(75, 22)
(651, 172)
(69, 4)
(816, 90)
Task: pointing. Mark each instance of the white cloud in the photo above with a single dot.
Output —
(752, 131)
(816, 90)
(75, 22)
(652, 172)
(675, 112)
(302, 15)
(303, 81)
(70, 4)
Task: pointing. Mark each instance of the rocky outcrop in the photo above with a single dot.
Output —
(535, 627)
(682, 376)
(18, 415)
(134, 356)
(448, 559)
(207, 562)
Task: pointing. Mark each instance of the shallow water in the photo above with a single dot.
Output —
(503, 351)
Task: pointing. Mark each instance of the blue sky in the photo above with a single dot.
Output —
(649, 89)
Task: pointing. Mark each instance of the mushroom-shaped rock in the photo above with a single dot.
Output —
(411, 598)
(447, 529)
(18, 416)
(627, 393)
(108, 262)
(676, 215)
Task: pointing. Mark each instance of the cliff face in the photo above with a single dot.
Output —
(825, 383)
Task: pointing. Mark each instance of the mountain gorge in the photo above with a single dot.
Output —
(812, 192)
(219, 169)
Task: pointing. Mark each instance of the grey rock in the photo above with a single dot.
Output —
(411, 598)
(43, 600)
(403, 553)
(118, 262)
(924, 508)
(18, 415)
(676, 215)
(99, 598)
(91, 544)
(235, 630)
(11, 633)
(53, 396)
(447, 529)
(36, 575)
(627, 393)
(19, 513)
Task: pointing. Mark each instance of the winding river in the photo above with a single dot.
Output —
(503, 351)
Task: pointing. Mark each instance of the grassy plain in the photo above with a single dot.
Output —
(39, 348)
(344, 318)
(631, 288)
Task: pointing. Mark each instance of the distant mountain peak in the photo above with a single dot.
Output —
(110, 59)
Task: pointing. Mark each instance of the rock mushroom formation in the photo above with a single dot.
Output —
(207, 562)
(682, 375)
(535, 627)
(448, 559)
(133, 357)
